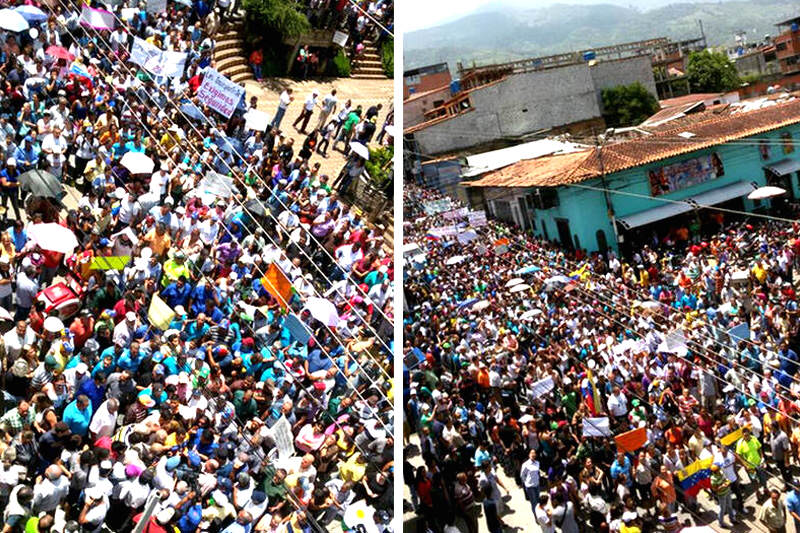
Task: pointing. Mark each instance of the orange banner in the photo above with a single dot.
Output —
(276, 283)
(630, 441)
(501, 242)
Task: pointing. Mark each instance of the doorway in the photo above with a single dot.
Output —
(564, 234)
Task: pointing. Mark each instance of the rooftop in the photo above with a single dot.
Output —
(788, 21)
(414, 96)
(708, 129)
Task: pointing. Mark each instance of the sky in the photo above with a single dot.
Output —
(419, 14)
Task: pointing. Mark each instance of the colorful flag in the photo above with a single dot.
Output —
(596, 427)
(278, 285)
(109, 263)
(630, 441)
(581, 273)
(695, 477)
(731, 437)
(80, 69)
(160, 314)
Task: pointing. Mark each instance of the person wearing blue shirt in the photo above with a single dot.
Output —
(18, 235)
(175, 364)
(789, 359)
(114, 351)
(94, 389)
(198, 297)
(130, 358)
(177, 293)
(317, 361)
(793, 506)
(105, 365)
(26, 155)
(77, 415)
(622, 465)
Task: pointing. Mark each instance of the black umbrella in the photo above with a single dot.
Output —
(254, 207)
(41, 183)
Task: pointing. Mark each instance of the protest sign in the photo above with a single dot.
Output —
(467, 236)
(216, 184)
(160, 314)
(477, 218)
(156, 6)
(630, 441)
(739, 333)
(455, 214)
(340, 38)
(542, 387)
(167, 63)
(98, 19)
(596, 427)
(282, 435)
(219, 93)
(142, 52)
(256, 120)
(109, 263)
(297, 329)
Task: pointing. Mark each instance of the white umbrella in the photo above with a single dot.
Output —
(515, 281)
(323, 310)
(360, 514)
(360, 149)
(13, 21)
(455, 260)
(480, 306)
(530, 314)
(765, 192)
(138, 163)
(519, 288)
(5, 315)
(53, 237)
(391, 130)
(53, 324)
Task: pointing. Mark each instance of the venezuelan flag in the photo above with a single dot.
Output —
(695, 477)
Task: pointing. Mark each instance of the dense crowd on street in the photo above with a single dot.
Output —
(620, 394)
(214, 351)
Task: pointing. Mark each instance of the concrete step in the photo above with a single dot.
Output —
(227, 45)
(238, 69)
(225, 65)
(234, 51)
(242, 77)
(369, 76)
(229, 35)
(367, 70)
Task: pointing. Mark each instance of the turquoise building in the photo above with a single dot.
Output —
(625, 193)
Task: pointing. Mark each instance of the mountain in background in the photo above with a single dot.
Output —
(506, 31)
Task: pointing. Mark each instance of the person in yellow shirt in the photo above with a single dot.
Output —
(158, 240)
(759, 272)
(175, 268)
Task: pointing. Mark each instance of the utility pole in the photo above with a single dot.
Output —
(702, 33)
(609, 205)
(149, 507)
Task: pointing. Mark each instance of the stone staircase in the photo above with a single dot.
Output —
(229, 53)
(368, 66)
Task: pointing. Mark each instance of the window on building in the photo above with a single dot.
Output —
(780, 47)
(602, 244)
(788, 147)
(763, 149)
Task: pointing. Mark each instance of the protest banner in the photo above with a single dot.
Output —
(477, 218)
(167, 63)
(297, 329)
(455, 214)
(596, 427)
(98, 19)
(739, 333)
(467, 236)
(278, 285)
(219, 93)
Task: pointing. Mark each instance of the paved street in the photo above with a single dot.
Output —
(365, 93)
(521, 517)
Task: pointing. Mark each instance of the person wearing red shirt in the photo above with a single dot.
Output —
(82, 328)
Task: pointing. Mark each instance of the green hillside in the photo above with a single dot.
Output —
(492, 36)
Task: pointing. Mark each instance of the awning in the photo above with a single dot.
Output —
(712, 197)
(782, 168)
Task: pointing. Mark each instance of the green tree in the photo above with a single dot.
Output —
(711, 72)
(275, 17)
(387, 57)
(627, 105)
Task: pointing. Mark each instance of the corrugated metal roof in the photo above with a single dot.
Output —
(579, 166)
(488, 161)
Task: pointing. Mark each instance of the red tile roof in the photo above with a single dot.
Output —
(580, 166)
(688, 99)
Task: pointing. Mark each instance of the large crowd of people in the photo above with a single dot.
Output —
(213, 353)
(619, 394)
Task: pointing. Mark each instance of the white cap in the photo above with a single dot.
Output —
(119, 193)
(81, 368)
(130, 316)
(11, 162)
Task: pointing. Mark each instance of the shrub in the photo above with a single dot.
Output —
(379, 165)
(387, 57)
(341, 65)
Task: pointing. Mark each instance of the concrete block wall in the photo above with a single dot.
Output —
(609, 74)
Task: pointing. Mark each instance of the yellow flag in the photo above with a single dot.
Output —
(731, 437)
(160, 314)
(109, 263)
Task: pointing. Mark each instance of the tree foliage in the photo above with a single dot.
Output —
(340, 65)
(387, 57)
(711, 72)
(379, 164)
(628, 105)
(276, 17)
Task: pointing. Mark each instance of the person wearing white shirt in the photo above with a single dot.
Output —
(55, 147)
(49, 492)
(529, 473)
(17, 338)
(308, 109)
(285, 99)
(617, 403)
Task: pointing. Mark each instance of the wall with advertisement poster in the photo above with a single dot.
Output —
(683, 174)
